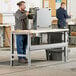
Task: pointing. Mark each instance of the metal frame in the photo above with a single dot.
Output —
(39, 47)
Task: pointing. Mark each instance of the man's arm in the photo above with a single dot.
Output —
(66, 15)
(21, 16)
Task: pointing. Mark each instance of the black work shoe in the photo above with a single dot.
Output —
(26, 60)
(21, 61)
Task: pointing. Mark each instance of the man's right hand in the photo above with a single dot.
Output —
(70, 15)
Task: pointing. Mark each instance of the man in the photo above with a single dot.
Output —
(62, 15)
(21, 20)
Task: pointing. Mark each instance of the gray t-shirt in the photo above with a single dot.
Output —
(21, 20)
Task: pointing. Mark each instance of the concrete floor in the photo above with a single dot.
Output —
(39, 65)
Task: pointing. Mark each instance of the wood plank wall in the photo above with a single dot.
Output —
(1, 18)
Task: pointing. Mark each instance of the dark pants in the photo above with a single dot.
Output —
(21, 41)
(61, 25)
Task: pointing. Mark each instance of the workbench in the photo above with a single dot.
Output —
(30, 47)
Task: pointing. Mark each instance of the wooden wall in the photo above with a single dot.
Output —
(53, 7)
(1, 18)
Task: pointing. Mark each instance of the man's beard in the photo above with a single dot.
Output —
(22, 9)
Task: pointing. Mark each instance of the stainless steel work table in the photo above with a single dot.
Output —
(39, 47)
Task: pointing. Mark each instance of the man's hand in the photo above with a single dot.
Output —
(27, 13)
(70, 15)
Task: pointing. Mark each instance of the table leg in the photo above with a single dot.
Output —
(28, 48)
(3, 36)
(66, 48)
(12, 50)
(69, 34)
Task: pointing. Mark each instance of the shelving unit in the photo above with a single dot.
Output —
(72, 36)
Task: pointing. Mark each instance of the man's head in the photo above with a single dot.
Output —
(21, 5)
(63, 5)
